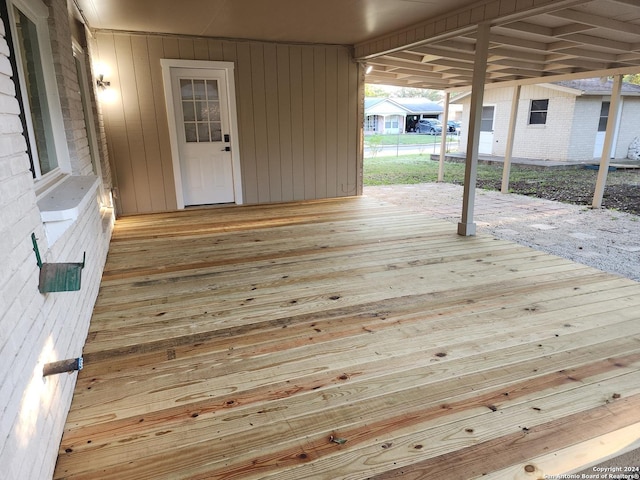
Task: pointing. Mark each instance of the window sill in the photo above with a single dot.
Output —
(61, 205)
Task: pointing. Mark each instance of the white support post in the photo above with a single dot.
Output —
(608, 142)
(506, 170)
(445, 132)
(466, 226)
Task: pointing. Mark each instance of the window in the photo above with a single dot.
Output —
(392, 122)
(31, 58)
(486, 119)
(370, 123)
(604, 116)
(538, 112)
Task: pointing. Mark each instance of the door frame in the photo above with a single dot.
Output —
(228, 67)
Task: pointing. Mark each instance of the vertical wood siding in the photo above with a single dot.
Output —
(297, 114)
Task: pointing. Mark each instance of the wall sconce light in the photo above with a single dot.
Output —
(368, 69)
(102, 83)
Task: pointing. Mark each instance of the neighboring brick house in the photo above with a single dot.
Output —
(54, 182)
(563, 121)
(397, 115)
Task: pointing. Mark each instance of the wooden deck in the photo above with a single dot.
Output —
(347, 339)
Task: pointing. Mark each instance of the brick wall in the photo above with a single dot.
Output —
(572, 123)
(549, 141)
(38, 328)
(630, 119)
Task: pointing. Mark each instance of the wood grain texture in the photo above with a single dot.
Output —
(345, 339)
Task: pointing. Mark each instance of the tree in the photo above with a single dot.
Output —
(632, 78)
(401, 92)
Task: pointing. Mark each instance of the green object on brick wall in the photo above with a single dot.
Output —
(58, 277)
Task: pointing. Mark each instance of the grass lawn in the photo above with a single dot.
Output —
(403, 139)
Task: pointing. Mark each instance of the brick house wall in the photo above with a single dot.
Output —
(630, 120)
(549, 141)
(36, 328)
(570, 130)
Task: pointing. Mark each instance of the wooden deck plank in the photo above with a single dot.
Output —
(234, 342)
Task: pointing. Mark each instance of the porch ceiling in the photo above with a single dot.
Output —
(323, 21)
(561, 40)
(416, 43)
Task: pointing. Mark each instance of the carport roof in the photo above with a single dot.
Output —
(415, 43)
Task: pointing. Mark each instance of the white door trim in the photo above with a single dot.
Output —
(167, 64)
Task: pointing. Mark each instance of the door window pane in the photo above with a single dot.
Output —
(216, 132)
(203, 132)
(188, 112)
(486, 121)
(201, 110)
(186, 89)
(604, 115)
(190, 132)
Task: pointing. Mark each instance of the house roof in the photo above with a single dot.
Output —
(420, 105)
(599, 86)
(582, 87)
(415, 43)
(408, 105)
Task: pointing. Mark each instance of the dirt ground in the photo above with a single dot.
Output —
(622, 192)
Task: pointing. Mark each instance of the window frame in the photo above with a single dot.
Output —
(38, 13)
(603, 119)
(538, 111)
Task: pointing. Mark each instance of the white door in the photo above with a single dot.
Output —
(203, 135)
(602, 127)
(486, 130)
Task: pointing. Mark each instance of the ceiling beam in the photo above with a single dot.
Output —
(512, 53)
(461, 21)
(443, 53)
(599, 42)
(392, 63)
(571, 28)
(557, 78)
(632, 3)
(444, 64)
(506, 41)
(530, 28)
(458, 44)
(596, 21)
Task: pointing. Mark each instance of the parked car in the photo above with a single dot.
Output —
(430, 126)
(453, 127)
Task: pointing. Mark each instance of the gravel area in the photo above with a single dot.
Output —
(605, 239)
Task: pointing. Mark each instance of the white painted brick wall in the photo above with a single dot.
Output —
(36, 328)
(631, 121)
(568, 135)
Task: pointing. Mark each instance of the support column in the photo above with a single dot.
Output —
(445, 131)
(466, 226)
(612, 119)
(506, 170)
